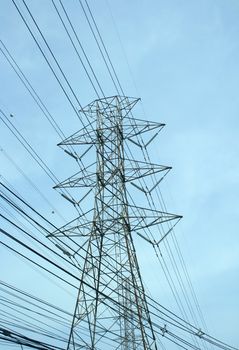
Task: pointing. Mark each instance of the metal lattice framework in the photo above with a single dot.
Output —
(111, 310)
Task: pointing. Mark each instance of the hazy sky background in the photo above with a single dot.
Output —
(183, 61)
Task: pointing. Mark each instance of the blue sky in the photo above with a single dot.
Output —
(182, 60)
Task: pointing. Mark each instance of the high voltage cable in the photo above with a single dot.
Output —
(165, 267)
(36, 299)
(31, 90)
(49, 64)
(21, 210)
(194, 333)
(156, 325)
(50, 333)
(36, 263)
(37, 240)
(18, 338)
(102, 54)
(75, 49)
(2, 216)
(175, 241)
(105, 49)
(46, 59)
(31, 150)
(39, 300)
(28, 147)
(168, 248)
(223, 347)
(21, 230)
(61, 319)
(31, 182)
(53, 56)
(92, 17)
(39, 102)
(152, 299)
(55, 60)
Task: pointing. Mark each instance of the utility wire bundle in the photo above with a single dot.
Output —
(36, 323)
(94, 254)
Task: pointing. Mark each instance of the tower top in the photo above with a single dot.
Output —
(111, 104)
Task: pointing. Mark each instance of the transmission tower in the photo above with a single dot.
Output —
(111, 310)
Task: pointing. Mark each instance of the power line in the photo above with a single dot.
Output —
(24, 3)
(75, 49)
(36, 188)
(108, 57)
(220, 344)
(203, 335)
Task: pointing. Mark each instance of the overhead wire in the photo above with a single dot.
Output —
(31, 151)
(108, 57)
(41, 105)
(76, 287)
(75, 48)
(153, 300)
(156, 325)
(41, 33)
(170, 253)
(33, 262)
(32, 184)
(27, 146)
(25, 81)
(101, 51)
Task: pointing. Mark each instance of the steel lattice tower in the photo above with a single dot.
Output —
(111, 310)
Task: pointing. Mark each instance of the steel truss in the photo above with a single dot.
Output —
(111, 302)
